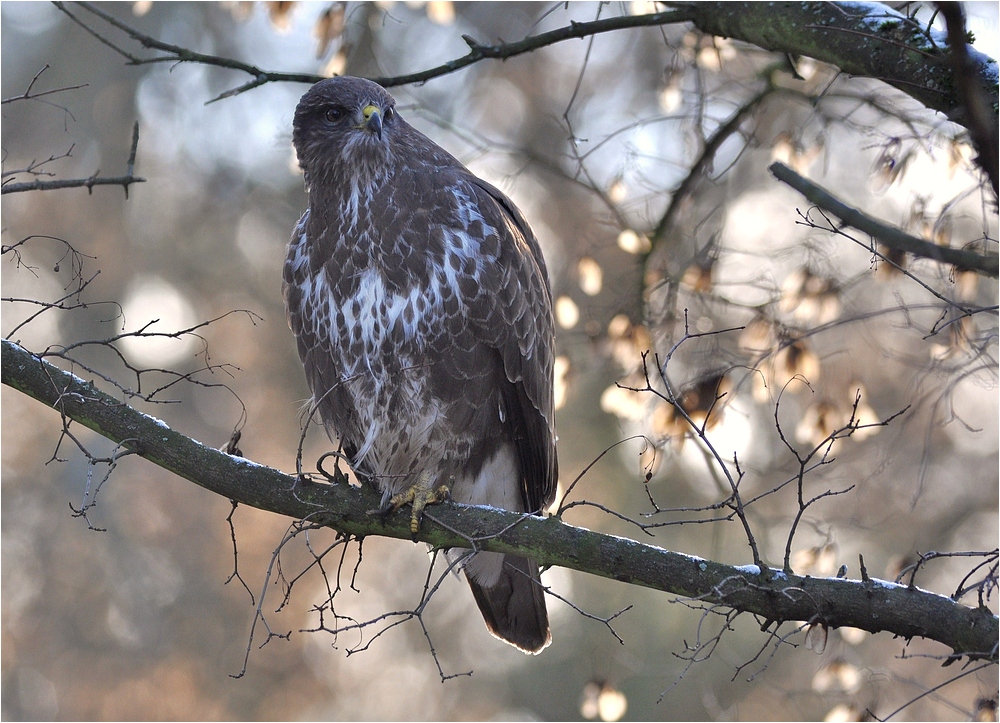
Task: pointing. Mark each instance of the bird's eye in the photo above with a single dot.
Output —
(334, 114)
(389, 113)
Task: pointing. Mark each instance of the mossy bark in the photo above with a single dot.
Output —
(850, 36)
(871, 605)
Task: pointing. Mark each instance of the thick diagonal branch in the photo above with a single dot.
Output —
(868, 40)
(985, 264)
(773, 596)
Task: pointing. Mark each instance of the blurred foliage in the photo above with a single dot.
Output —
(591, 138)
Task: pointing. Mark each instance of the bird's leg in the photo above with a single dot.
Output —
(422, 493)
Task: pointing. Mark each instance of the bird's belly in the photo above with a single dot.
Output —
(391, 417)
(390, 408)
(397, 426)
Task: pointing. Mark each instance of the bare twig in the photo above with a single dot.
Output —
(88, 183)
(705, 159)
(931, 691)
(236, 554)
(35, 167)
(178, 54)
(500, 51)
(28, 95)
(823, 449)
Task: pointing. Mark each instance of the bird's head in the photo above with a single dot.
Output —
(343, 129)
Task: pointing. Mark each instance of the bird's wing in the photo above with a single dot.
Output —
(513, 314)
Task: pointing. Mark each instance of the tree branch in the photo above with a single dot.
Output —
(28, 95)
(502, 51)
(477, 51)
(704, 162)
(985, 264)
(872, 41)
(862, 39)
(978, 117)
(88, 183)
(178, 54)
(871, 605)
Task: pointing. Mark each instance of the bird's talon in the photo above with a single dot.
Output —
(419, 495)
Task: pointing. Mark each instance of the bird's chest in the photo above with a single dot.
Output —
(391, 324)
(392, 295)
(380, 334)
(383, 316)
(380, 321)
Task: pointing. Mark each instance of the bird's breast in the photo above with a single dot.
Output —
(393, 317)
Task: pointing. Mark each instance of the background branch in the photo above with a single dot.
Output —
(476, 53)
(178, 54)
(502, 51)
(871, 41)
(705, 161)
(985, 264)
(124, 181)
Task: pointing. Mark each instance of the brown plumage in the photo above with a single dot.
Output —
(420, 302)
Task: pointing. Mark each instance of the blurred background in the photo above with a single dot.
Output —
(592, 139)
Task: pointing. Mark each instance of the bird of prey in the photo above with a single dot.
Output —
(421, 306)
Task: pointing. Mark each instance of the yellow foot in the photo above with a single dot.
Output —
(419, 495)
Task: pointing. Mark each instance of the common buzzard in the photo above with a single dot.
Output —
(420, 302)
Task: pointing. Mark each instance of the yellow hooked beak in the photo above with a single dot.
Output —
(373, 119)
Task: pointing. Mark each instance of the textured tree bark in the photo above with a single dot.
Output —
(872, 605)
(978, 116)
(862, 39)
